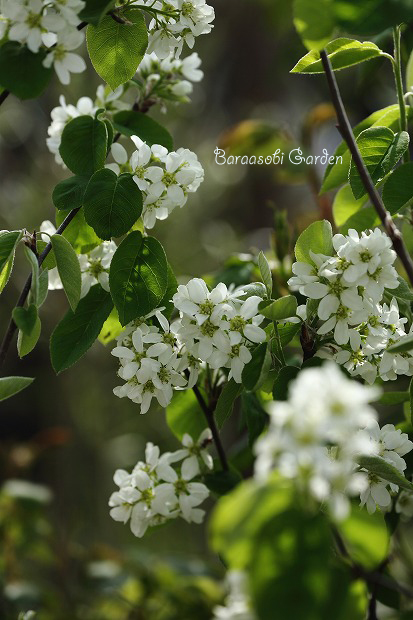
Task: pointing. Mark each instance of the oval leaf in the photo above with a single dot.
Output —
(9, 386)
(84, 145)
(131, 123)
(138, 276)
(78, 330)
(68, 194)
(112, 204)
(378, 466)
(317, 238)
(398, 189)
(22, 72)
(373, 144)
(280, 309)
(116, 50)
(27, 341)
(342, 53)
(69, 269)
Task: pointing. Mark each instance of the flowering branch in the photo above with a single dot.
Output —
(344, 128)
(8, 337)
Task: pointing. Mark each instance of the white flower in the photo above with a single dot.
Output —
(316, 436)
(194, 452)
(391, 445)
(28, 22)
(95, 266)
(154, 492)
(61, 56)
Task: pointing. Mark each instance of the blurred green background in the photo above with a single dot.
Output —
(69, 433)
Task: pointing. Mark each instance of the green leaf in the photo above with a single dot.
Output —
(22, 72)
(131, 123)
(79, 234)
(84, 145)
(281, 384)
(226, 400)
(112, 203)
(25, 318)
(256, 371)
(8, 243)
(27, 342)
(378, 466)
(68, 194)
(9, 386)
(371, 16)
(316, 238)
(138, 276)
(69, 269)
(396, 151)
(403, 291)
(314, 22)
(171, 289)
(394, 398)
(344, 205)
(111, 328)
(342, 53)
(77, 331)
(34, 288)
(362, 220)
(366, 537)
(403, 345)
(266, 274)
(279, 309)
(337, 174)
(222, 482)
(374, 144)
(411, 400)
(95, 10)
(255, 417)
(398, 188)
(184, 415)
(287, 332)
(116, 50)
(43, 287)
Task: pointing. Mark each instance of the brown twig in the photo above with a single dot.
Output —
(344, 128)
(209, 415)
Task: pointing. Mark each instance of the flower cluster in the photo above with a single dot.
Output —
(169, 79)
(156, 491)
(62, 114)
(391, 445)
(165, 178)
(217, 327)
(176, 22)
(237, 604)
(94, 265)
(349, 287)
(315, 436)
(50, 25)
(151, 362)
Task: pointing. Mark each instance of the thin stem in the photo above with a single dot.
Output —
(344, 128)
(209, 415)
(397, 70)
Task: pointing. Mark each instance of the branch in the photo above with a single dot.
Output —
(8, 337)
(209, 415)
(344, 128)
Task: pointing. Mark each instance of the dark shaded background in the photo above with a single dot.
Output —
(69, 432)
